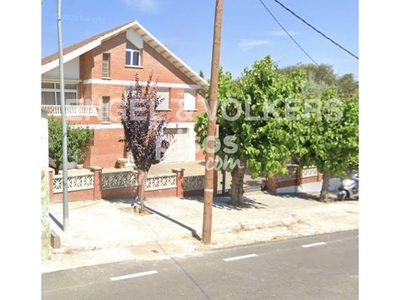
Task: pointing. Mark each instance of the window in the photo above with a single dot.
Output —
(126, 92)
(163, 93)
(132, 57)
(189, 102)
(106, 65)
(164, 96)
(105, 115)
(51, 94)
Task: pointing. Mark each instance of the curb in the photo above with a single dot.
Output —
(245, 226)
(55, 240)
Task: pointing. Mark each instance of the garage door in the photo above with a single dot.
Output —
(178, 149)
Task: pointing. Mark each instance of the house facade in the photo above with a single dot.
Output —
(97, 72)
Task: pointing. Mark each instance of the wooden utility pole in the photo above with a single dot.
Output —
(211, 128)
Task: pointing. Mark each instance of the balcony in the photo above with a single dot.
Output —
(72, 110)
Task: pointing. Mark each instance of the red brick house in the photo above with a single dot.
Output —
(98, 70)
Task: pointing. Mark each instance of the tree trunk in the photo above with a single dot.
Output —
(142, 188)
(237, 184)
(57, 168)
(325, 187)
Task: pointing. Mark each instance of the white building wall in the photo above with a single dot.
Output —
(191, 137)
(313, 187)
(71, 70)
(135, 38)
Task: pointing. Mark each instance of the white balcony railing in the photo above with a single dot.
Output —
(72, 110)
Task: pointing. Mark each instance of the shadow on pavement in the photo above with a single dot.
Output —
(303, 196)
(307, 196)
(130, 201)
(222, 202)
(193, 231)
(133, 202)
(58, 223)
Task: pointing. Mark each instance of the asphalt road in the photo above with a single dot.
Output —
(316, 267)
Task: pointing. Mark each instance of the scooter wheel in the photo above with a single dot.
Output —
(341, 195)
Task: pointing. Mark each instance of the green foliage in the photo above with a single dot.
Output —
(226, 91)
(78, 141)
(347, 86)
(55, 140)
(78, 144)
(321, 73)
(252, 112)
(268, 114)
(324, 75)
(313, 89)
(329, 139)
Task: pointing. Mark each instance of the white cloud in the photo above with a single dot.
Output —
(143, 5)
(281, 33)
(249, 44)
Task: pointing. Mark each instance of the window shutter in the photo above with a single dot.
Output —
(189, 100)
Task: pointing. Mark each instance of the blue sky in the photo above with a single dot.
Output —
(249, 32)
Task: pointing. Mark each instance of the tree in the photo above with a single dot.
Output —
(324, 74)
(55, 142)
(201, 74)
(251, 116)
(268, 117)
(347, 85)
(328, 137)
(144, 130)
(78, 140)
(318, 73)
(226, 91)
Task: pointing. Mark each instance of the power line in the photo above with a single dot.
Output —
(325, 36)
(283, 28)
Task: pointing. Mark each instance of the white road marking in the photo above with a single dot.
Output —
(314, 245)
(240, 257)
(133, 275)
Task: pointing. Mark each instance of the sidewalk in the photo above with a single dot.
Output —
(104, 231)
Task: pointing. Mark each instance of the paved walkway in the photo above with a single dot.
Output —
(191, 168)
(108, 231)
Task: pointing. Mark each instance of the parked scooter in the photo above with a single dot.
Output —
(348, 187)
